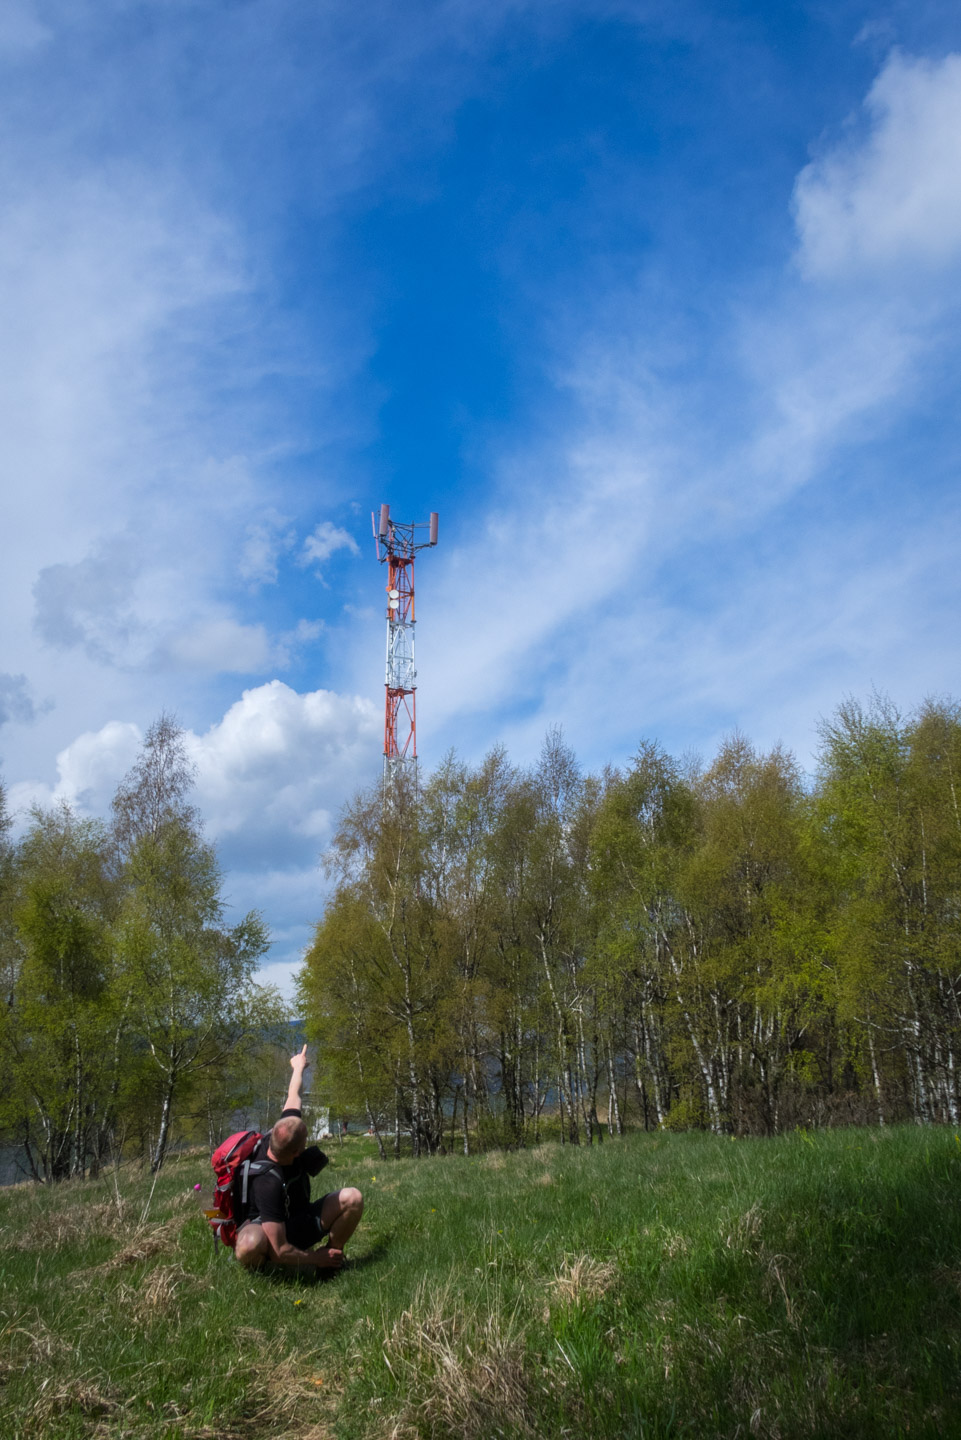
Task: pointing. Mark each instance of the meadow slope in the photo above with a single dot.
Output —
(659, 1285)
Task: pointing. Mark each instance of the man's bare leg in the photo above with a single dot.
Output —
(340, 1214)
(252, 1248)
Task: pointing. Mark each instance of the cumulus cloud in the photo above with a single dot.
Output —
(891, 196)
(272, 777)
(273, 773)
(89, 770)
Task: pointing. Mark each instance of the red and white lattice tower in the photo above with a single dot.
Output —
(396, 546)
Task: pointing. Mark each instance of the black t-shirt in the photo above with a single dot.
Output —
(277, 1199)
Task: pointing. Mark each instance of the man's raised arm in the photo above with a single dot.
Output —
(298, 1064)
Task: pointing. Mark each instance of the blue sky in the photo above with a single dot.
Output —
(656, 303)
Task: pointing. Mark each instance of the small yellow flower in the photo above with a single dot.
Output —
(298, 1302)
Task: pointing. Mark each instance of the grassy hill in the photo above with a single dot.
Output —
(661, 1285)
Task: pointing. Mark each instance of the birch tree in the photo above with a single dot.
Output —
(62, 1031)
(187, 976)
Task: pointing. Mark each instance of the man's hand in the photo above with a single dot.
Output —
(298, 1064)
(279, 1249)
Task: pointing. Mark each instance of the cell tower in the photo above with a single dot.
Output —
(397, 545)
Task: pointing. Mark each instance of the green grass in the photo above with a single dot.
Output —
(665, 1285)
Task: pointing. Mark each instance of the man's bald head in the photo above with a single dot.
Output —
(288, 1139)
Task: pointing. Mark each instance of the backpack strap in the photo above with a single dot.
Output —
(253, 1168)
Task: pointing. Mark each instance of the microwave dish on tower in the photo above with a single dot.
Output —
(397, 544)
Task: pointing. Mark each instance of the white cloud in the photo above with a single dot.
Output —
(498, 621)
(117, 510)
(325, 541)
(892, 197)
(273, 773)
(88, 771)
(291, 643)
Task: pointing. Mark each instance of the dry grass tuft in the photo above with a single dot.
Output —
(30, 1346)
(494, 1160)
(160, 1294)
(50, 1230)
(254, 1340)
(54, 1398)
(284, 1396)
(35, 1224)
(583, 1279)
(674, 1244)
(545, 1179)
(745, 1232)
(778, 1275)
(457, 1374)
(145, 1243)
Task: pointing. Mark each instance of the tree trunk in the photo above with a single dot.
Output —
(160, 1150)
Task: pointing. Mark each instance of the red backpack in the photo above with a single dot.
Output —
(233, 1167)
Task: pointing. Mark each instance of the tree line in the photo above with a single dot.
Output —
(128, 1001)
(507, 953)
(510, 953)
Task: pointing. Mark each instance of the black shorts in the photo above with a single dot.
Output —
(305, 1228)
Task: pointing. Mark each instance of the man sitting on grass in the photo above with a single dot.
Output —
(282, 1225)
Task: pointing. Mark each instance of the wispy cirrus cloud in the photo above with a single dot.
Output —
(672, 572)
(887, 196)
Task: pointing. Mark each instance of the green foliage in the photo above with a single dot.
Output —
(673, 945)
(130, 1006)
(187, 978)
(56, 1031)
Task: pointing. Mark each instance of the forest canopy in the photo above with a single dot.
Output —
(509, 953)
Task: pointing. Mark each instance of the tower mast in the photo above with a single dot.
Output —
(397, 545)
